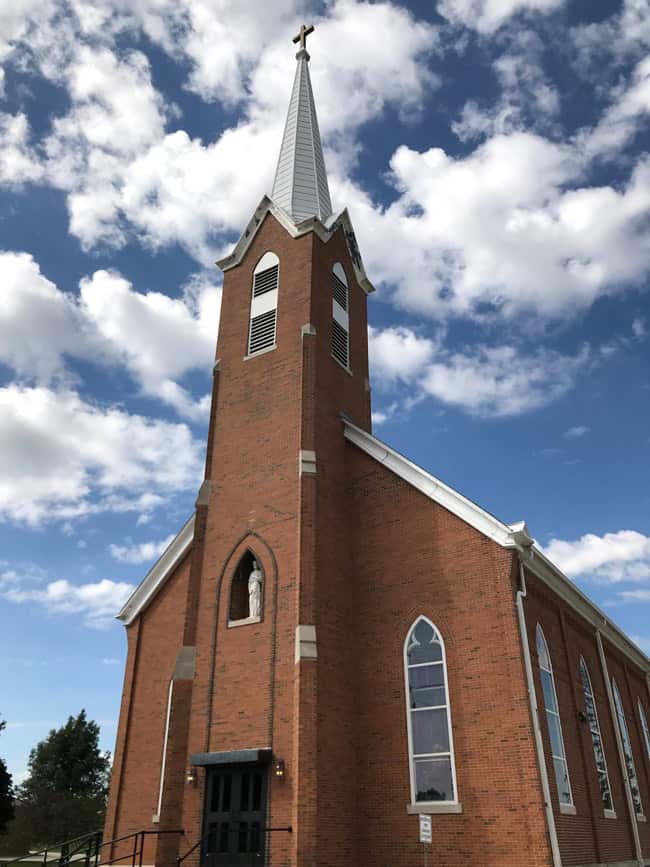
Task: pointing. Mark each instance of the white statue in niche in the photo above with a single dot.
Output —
(255, 591)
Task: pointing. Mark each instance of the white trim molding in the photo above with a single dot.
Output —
(306, 647)
(158, 574)
(313, 224)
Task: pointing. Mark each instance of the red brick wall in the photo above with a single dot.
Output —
(154, 641)
(587, 836)
(412, 557)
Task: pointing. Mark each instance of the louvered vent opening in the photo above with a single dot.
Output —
(262, 334)
(340, 291)
(340, 343)
(265, 281)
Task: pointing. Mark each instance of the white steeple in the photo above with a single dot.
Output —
(300, 186)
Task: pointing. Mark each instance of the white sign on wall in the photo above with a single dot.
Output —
(425, 828)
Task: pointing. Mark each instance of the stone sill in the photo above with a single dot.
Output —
(433, 807)
(568, 809)
(261, 352)
(245, 621)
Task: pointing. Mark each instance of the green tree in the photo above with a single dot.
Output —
(65, 792)
(6, 792)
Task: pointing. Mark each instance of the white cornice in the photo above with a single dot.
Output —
(508, 536)
(566, 589)
(158, 574)
(296, 230)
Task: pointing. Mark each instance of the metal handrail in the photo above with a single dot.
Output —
(55, 847)
(90, 843)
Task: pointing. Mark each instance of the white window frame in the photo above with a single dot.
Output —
(263, 303)
(625, 740)
(427, 806)
(608, 811)
(540, 637)
(644, 726)
(339, 315)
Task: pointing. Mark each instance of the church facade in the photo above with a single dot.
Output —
(337, 643)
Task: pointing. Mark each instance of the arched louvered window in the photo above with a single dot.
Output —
(340, 316)
(627, 750)
(431, 749)
(264, 304)
(644, 726)
(596, 740)
(553, 721)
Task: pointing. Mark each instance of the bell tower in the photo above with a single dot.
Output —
(271, 689)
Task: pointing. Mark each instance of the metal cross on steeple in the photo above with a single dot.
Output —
(302, 36)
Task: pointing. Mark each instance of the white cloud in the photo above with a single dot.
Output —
(141, 552)
(488, 15)
(528, 98)
(630, 105)
(505, 229)
(111, 661)
(613, 557)
(490, 381)
(65, 458)
(576, 432)
(96, 603)
(158, 339)
(38, 323)
(501, 381)
(124, 175)
(397, 353)
(18, 162)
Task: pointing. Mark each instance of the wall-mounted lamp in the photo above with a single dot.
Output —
(278, 769)
(190, 776)
(582, 716)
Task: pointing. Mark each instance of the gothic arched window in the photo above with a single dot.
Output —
(596, 739)
(431, 749)
(627, 750)
(264, 304)
(644, 726)
(246, 590)
(553, 721)
(340, 316)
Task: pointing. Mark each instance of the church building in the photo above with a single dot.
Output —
(337, 647)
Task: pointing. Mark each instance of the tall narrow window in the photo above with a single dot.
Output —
(340, 316)
(553, 720)
(627, 751)
(431, 749)
(596, 740)
(644, 726)
(264, 304)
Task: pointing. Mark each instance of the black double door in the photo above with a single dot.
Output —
(235, 803)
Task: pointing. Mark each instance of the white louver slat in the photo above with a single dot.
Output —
(262, 333)
(340, 316)
(264, 303)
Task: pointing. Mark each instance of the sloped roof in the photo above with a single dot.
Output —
(158, 574)
(300, 186)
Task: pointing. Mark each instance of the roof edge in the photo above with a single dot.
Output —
(158, 574)
(507, 535)
(296, 230)
(539, 564)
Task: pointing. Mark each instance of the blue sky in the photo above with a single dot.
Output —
(494, 157)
